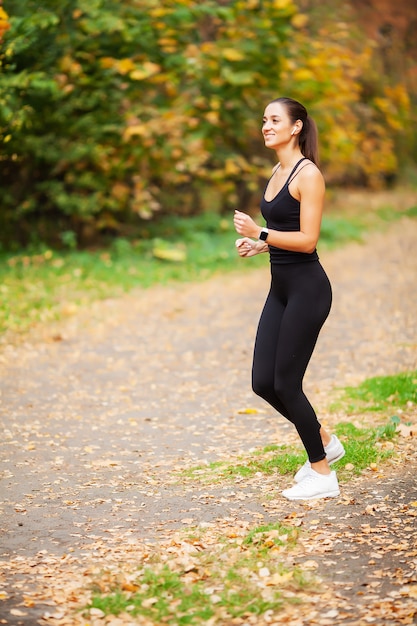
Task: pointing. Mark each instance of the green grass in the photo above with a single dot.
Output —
(388, 215)
(362, 449)
(276, 534)
(383, 395)
(380, 394)
(340, 230)
(43, 285)
(361, 446)
(269, 460)
(50, 285)
(239, 574)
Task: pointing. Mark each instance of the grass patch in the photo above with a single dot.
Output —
(362, 445)
(341, 230)
(387, 214)
(48, 285)
(269, 460)
(42, 285)
(380, 394)
(272, 535)
(383, 395)
(230, 575)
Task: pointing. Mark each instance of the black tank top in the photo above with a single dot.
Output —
(283, 213)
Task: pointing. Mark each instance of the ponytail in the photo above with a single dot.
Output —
(309, 140)
(308, 137)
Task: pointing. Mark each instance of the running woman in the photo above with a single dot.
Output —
(300, 295)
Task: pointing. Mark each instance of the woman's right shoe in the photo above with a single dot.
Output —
(313, 487)
(334, 452)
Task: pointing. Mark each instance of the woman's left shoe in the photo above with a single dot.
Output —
(314, 486)
(334, 452)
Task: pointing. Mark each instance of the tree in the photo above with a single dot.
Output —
(112, 111)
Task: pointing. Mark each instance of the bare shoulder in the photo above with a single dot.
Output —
(309, 170)
(310, 176)
(308, 185)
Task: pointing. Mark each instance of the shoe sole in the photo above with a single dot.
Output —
(328, 494)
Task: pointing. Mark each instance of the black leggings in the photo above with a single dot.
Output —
(296, 308)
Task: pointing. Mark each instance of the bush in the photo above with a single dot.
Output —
(112, 111)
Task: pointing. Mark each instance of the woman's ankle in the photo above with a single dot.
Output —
(325, 437)
(321, 467)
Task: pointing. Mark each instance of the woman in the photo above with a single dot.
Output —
(300, 295)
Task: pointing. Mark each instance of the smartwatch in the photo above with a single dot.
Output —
(263, 234)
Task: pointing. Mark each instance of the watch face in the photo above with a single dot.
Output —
(263, 235)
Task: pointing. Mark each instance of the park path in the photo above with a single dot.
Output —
(99, 410)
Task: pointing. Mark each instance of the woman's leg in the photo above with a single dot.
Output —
(265, 351)
(295, 310)
(309, 302)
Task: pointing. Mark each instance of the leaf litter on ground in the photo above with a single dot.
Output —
(91, 500)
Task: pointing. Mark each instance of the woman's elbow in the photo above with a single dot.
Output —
(309, 246)
(308, 242)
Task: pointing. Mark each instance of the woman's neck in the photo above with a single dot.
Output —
(288, 158)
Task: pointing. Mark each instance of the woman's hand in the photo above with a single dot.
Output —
(247, 247)
(245, 226)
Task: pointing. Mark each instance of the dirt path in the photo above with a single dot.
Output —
(95, 419)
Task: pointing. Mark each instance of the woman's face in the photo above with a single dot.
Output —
(276, 126)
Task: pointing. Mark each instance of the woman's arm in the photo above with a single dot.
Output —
(247, 247)
(310, 192)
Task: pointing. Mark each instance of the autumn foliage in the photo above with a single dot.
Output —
(111, 112)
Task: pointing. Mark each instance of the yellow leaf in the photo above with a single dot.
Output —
(148, 69)
(231, 168)
(167, 41)
(282, 4)
(125, 65)
(159, 12)
(248, 411)
(170, 254)
(300, 20)
(108, 62)
(212, 117)
(136, 130)
(232, 54)
(303, 74)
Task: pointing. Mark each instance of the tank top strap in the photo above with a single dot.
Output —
(294, 172)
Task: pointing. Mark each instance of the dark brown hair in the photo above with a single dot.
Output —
(308, 137)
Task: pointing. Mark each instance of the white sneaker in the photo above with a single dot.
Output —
(334, 452)
(314, 486)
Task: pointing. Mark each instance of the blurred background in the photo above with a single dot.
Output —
(117, 113)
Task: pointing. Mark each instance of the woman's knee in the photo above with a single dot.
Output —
(262, 388)
(285, 390)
